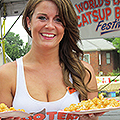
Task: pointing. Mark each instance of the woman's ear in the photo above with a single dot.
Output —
(28, 22)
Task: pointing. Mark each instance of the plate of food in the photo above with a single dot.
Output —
(96, 105)
(90, 111)
(6, 112)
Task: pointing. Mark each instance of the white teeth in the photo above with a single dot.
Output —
(47, 35)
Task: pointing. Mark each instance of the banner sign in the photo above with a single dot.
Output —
(98, 18)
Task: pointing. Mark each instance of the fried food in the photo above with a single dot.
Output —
(4, 108)
(95, 103)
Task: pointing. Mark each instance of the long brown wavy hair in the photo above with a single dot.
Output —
(69, 52)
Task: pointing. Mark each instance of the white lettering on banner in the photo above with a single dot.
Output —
(100, 16)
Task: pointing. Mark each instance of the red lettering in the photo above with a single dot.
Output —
(79, 24)
(117, 12)
(100, 3)
(101, 18)
(100, 14)
(91, 4)
(71, 117)
(29, 118)
(88, 14)
(94, 14)
(86, 5)
(51, 115)
(79, 7)
(39, 117)
(95, 4)
(108, 12)
(114, 3)
(61, 116)
(107, 2)
(84, 19)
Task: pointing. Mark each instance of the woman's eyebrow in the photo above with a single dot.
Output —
(41, 14)
(56, 15)
(46, 14)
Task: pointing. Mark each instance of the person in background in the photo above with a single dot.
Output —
(51, 75)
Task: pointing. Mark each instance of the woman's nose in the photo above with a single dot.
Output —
(50, 24)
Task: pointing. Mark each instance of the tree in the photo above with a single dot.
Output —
(115, 42)
(14, 46)
(109, 39)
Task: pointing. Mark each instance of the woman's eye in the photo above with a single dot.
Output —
(42, 18)
(58, 20)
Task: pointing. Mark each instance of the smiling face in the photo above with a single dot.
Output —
(46, 27)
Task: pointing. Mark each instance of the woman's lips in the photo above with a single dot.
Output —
(48, 35)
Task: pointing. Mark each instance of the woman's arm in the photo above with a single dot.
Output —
(93, 82)
(7, 77)
(91, 85)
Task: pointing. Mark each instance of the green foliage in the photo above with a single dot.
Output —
(116, 43)
(26, 49)
(14, 46)
(115, 72)
(109, 39)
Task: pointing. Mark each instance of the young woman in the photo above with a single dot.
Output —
(44, 76)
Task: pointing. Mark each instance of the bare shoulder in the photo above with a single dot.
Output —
(8, 73)
(7, 82)
(93, 82)
(7, 69)
(88, 66)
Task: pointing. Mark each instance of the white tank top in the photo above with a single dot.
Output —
(23, 100)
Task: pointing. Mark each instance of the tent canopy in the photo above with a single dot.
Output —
(9, 8)
(13, 7)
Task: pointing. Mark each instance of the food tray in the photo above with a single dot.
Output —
(91, 111)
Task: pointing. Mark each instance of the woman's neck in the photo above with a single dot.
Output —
(43, 56)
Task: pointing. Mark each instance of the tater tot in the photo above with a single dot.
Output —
(4, 108)
(95, 103)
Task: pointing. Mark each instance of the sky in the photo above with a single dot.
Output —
(17, 28)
